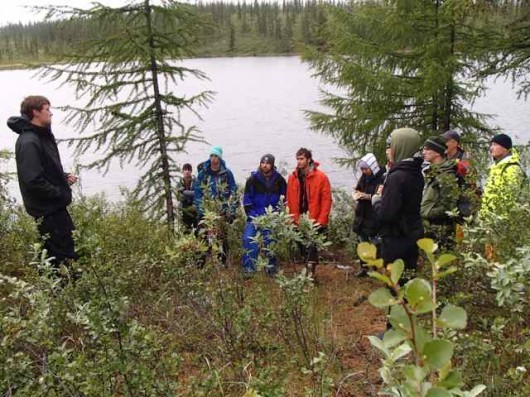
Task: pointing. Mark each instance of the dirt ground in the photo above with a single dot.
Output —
(353, 318)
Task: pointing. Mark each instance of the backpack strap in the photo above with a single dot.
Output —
(507, 165)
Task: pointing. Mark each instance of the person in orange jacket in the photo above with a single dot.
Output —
(309, 192)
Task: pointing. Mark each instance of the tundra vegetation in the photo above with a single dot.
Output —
(146, 319)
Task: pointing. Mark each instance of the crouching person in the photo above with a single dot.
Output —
(265, 187)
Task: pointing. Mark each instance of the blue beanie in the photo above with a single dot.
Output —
(217, 151)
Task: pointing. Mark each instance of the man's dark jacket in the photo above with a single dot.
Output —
(398, 212)
(365, 222)
(41, 177)
(260, 193)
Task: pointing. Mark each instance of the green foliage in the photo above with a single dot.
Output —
(77, 340)
(224, 29)
(392, 64)
(127, 73)
(146, 318)
(340, 231)
(416, 361)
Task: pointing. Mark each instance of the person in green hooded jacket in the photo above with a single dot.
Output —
(440, 193)
(504, 179)
(397, 204)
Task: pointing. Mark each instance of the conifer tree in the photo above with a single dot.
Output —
(394, 64)
(506, 38)
(128, 74)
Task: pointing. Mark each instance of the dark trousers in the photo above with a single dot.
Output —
(309, 252)
(189, 217)
(403, 248)
(56, 229)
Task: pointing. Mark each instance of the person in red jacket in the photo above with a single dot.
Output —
(309, 192)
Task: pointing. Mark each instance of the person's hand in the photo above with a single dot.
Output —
(71, 179)
(361, 196)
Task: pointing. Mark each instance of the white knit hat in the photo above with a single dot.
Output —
(369, 160)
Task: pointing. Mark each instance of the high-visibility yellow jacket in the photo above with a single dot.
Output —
(502, 186)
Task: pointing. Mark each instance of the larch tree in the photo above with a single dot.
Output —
(127, 75)
(391, 64)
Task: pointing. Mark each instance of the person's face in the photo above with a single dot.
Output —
(186, 173)
(389, 154)
(43, 117)
(451, 145)
(430, 155)
(302, 162)
(215, 161)
(497, 151)
(366, 171)
(265, 167)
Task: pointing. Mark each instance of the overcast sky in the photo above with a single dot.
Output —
(14, 11)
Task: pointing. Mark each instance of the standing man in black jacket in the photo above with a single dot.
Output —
(397, 204)
(44, 185)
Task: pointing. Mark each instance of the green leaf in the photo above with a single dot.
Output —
(378, 263)
(418, 295)
(438, 392)
(449, 271)
(422, 336)
(396, 270)
(445, 259)
(425, 307)
(415, 373)
(398, 318)
(452, 380)
(427, 245)
(378, 344)
(476, 391)
(366, 251)
(437, 353)
(400, 351)
(382, 298)
(380, 277)
(453, 317)
(393, 337)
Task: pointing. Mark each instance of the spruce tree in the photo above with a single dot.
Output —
(127, 73)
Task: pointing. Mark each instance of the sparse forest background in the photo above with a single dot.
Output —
(253, 28)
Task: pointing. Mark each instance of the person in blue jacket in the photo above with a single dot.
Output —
(216, 187)
(264, 188)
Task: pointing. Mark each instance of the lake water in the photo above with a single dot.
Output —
(258, 108)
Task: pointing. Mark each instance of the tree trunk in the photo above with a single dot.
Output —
(166, 172)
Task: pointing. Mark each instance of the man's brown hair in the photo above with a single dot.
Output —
(304, 152)
(31, 103)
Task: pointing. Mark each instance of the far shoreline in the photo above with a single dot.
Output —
(22, 65)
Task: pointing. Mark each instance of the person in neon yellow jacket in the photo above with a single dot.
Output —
(504, 179)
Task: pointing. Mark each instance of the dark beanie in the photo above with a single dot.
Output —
(268, 158)
(436, 143)
(504, 140)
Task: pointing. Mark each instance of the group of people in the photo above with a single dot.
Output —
(307, 191)
(393, 202)
(428, 192)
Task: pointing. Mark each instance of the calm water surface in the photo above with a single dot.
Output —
(258, 108)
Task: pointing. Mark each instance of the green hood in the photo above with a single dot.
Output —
(404, 143)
